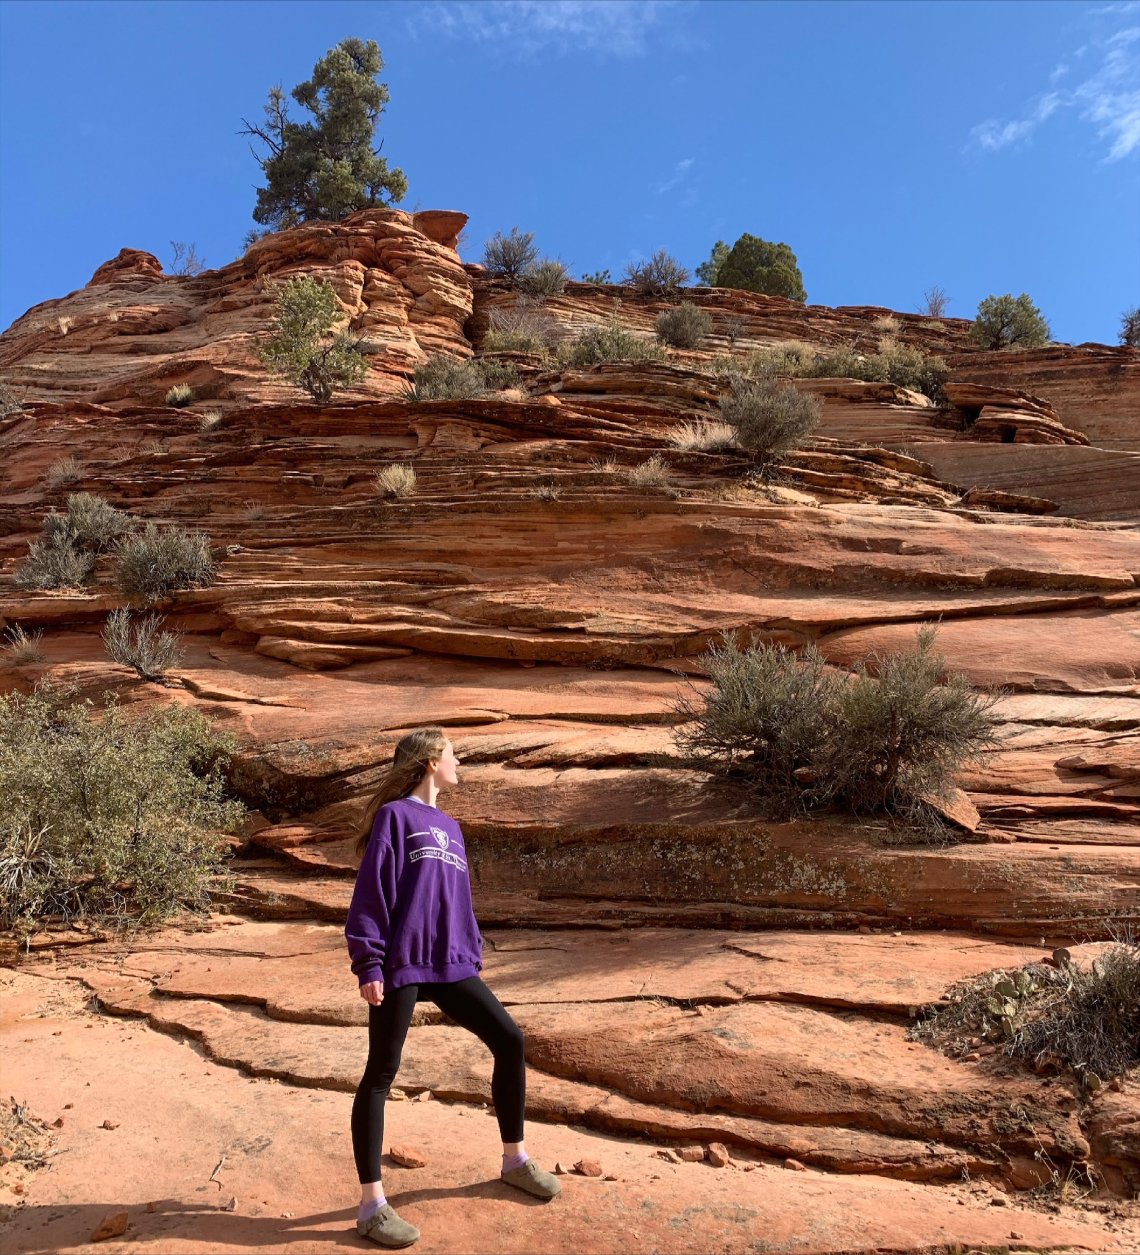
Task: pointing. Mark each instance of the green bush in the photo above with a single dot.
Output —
(611, 342)
(800, 735)
(180, 396)
(498, 375)
(153, 563)
(684, 326)
(510, 257)
(300, 350)
(1130, 327)
(446, 379)
(1006, 322)
(327, 167)
(755, 265)
(90, 522)
(898, 364)
(661, 275)
(597, 276)
(118, 815)
(148, 651)
(770, 419)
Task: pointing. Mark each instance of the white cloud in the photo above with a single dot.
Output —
(527, 27)
(679, 171)
(1109, 98)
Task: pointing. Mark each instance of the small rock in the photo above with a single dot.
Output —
(426, 1096)
(865, 929)
(408, 1156)
(750, 1167)
(1015, 1235)
(110, 1124)
(67, 1106)
(396, 1095)
(999, 1200)
(961, 1202)
(670, 1156)
(609, 1177)
(232, 1204)
(57, 1123)
(1115, 1085)
(718, 1155)
(692, 1154)
(795, 1165)
(560, 1169)
(588, 1167)
(286, 1215)
(112, 1226)
(18, 1188)
(972, 1057)
(151, 1208)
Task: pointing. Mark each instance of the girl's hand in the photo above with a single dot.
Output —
(373, 992)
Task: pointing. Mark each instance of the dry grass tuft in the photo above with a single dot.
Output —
(548, 492)
(180, 396)
(24, 648)
(652, 473)
(210, 421)
(395, 480)
(706, 437)
(66, 471)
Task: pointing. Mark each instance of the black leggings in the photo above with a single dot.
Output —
(472, 1006)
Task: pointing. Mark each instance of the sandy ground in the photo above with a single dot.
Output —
(286, 1171)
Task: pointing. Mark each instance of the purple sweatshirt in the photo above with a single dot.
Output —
(411, 920)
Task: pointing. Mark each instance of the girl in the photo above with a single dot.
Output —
(412, 937)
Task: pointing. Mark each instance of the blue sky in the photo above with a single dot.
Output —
(983, 147)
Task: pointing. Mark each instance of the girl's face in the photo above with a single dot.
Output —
(446, 767)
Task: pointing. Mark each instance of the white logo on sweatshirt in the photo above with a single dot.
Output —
(441, 838)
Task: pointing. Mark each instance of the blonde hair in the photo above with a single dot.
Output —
(409, 766)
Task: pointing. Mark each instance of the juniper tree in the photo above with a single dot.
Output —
(1006, 322)
(301, 349)
(327, 167)
(755, 265)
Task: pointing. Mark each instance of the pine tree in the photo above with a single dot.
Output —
(327, 167)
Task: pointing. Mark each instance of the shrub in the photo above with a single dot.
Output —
(118, 816)
(792, 359)
(684, 326)
(511, 256)
(770, 419)
(1085, 1018)
(24, 648)
(327, 167)
(300, 350)
(597, 276)
(901, 735)
(395, 480)
(65, 471)
(1130, 327)
(661, 275)
(800, 735)
(765, 719)
(154, 563)
(90, 522)
(899, 364)
(498, 375)
(525, 328)
(55, 563)
(548, 492)
(547, 278)
(150, 652)
(610, 342)
(186, 261)
(755, 265)
(708, 272)
(652, 473)
(180, 396)
(935, 303)
(210, 421)
(446, 379)
(704, 437)
(9, 403)
(1005, 322)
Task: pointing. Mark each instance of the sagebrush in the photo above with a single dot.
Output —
(142, 646)
(611, 342)
(156, 562)
(510, 257)
(770, 418)
(118, 815)
(661, 275)
(443, 378)
(800, 734)
(685, 326)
